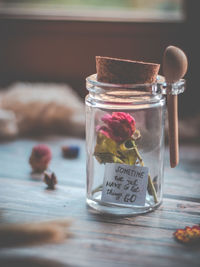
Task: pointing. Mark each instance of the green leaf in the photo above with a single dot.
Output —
(109, 151)
(105, 145)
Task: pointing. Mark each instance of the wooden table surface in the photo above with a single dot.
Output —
(97, 240)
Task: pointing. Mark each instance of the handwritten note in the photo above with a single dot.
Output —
(125, 184)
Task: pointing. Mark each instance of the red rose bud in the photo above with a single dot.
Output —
(119, 126)
(40, 158)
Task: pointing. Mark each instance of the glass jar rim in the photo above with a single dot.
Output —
(92, 79)
(161, 85)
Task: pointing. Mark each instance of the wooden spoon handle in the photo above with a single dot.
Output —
(172, 103)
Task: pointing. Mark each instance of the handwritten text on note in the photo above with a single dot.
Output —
(125, 184)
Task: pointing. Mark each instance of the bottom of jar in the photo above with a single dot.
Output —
(120, 210)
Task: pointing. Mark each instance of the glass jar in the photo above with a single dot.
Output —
(125, 145)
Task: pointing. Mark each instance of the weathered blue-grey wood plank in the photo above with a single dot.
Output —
(97, 240)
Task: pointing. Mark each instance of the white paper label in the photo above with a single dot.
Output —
(125, 184)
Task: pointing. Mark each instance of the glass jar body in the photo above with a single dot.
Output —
(124, 131)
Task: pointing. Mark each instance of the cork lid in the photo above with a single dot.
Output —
(122, 71)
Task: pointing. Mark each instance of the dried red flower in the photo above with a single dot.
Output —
(119, 126)
(188, 235)
(40, 157)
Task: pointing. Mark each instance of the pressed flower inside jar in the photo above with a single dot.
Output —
(113, 138)
(116, 143)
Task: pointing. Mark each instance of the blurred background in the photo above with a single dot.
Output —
(46, 43)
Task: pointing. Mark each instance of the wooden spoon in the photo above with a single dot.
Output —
(174, 68)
